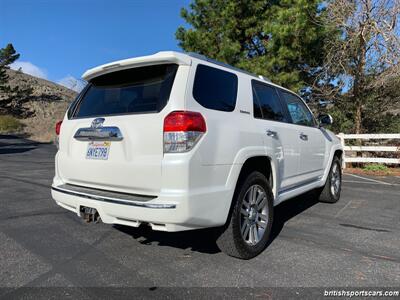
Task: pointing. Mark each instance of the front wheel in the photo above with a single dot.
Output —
(249, 226)
(330, 193)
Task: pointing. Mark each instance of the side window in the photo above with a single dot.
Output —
(266, 102)
(299, 113)
(215, 89)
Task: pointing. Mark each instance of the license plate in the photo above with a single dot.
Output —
(98, 150)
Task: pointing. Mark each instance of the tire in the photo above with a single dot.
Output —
(330, 192)
(255, 221)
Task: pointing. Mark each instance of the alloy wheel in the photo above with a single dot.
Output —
(335, 180)
(254, 215)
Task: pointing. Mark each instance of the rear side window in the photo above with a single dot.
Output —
(215, 89)
(136, 90)
(74, 103)
(266, 102)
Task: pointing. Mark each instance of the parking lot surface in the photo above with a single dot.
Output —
(354, 242)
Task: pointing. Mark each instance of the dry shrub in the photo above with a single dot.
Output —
(9, 124)
(41, 127)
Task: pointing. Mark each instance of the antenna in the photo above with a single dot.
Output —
(264, 78)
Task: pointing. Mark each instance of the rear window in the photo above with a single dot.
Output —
(214, 88)
(136, 90)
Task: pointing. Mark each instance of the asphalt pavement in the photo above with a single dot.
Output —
(353, 243)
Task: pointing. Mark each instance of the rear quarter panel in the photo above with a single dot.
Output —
(227, 132)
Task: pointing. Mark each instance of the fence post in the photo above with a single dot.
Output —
(341, 137)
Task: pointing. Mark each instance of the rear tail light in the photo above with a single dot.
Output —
(58, 127)
(182, 131)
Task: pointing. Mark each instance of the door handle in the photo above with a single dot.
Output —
(271, 133)
(304, 137)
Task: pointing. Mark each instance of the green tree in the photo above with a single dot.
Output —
(12, 99)
(7, 56)
(282, 40)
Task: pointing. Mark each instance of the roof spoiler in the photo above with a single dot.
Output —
(163, 57)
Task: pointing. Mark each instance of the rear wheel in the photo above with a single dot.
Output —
(249, 226)
(330, 193)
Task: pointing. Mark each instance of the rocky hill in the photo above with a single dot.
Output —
(48, 90)
(49, 101)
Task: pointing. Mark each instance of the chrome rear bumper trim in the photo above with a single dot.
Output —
(113, 200)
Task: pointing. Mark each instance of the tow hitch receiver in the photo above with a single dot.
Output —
(89, 214)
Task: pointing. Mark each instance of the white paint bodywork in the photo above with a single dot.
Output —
(200, 183)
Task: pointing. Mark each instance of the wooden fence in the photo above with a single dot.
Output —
(374, 148)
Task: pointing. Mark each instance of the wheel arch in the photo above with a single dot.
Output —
(337, 151)
(261, 163)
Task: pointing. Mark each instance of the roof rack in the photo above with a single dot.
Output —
(205, 58)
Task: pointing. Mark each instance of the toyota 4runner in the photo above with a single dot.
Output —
(180, 142)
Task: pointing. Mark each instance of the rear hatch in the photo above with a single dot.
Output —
(112, 137)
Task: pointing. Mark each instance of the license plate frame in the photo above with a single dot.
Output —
(98, 150)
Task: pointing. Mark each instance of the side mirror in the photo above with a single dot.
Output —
(325, 120)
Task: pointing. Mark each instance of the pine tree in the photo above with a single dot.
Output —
(282, 40)
(7, 56)
(12, 99)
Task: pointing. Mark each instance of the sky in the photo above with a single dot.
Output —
(60, 39)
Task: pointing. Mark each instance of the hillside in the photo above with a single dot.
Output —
(49, 103)
(41, 87)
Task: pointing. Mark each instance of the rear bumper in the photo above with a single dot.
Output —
(167, 212)
(111, 197)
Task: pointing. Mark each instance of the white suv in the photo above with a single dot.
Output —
(179, 142)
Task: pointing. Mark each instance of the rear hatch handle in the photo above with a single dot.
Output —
(106, 133)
